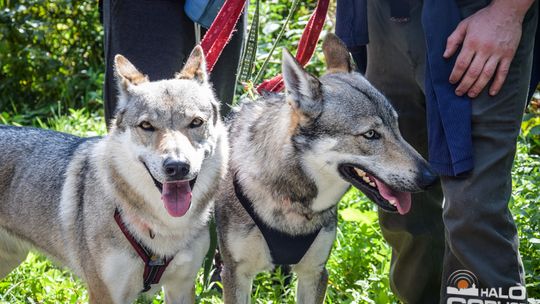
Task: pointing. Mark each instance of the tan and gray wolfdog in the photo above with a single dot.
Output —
(293, 156)
(127, 212)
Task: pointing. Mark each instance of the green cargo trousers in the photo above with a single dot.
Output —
(471, 237)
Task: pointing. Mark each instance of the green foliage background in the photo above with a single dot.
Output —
(51, 75)
(51, 57)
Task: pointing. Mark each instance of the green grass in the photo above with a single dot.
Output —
(358, 265)
(38, 281)
(51, 54)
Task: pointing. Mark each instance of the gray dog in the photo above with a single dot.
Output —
(293, 156)
(127, 212)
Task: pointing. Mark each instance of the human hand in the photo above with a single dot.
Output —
(490, 38)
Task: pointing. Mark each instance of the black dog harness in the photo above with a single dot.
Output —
(285, 249)
(154, 266)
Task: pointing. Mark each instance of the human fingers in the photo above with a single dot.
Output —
(462, 64)
(500, 77)
(455, 40)
(485, 76)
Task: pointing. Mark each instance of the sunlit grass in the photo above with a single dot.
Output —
(358, 265)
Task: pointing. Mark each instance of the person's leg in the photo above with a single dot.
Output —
(535, 80)
(480, 233)
(396, 58)
(156, 36)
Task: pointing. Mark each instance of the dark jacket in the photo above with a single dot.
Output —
(449, 116)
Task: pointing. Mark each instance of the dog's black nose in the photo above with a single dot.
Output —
(428, 178)
(176, 169)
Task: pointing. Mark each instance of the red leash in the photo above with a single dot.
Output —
(306, 46)
(221, 30)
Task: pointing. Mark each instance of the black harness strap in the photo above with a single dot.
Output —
(285, 249)
(154, 266)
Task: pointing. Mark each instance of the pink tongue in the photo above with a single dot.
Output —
(177, 197)
(403, 199)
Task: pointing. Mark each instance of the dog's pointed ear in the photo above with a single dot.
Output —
(303, 90)
(336, 54)
(195, 67)
(126, 73)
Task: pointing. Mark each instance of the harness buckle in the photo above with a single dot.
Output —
(156, 261)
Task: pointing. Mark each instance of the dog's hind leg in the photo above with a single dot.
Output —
(311, 287)
(13, 251)
(9, 261)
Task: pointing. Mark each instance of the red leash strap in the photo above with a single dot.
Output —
(221, 30)
(306, 46)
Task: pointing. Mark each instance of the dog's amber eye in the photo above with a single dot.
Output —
(197, 122)
(145, 125)
(371, 134)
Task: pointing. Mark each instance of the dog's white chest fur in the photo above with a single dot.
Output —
(323, 171)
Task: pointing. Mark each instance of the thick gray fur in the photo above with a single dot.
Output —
(59, 192)
(285, 152)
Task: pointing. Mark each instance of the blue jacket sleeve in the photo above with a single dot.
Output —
(448, 115)
(351, 22)
(203, 12)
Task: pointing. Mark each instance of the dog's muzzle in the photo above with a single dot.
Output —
(159, 185)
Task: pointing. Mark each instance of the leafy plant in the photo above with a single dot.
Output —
(524, 206)
(51, 57)
(531, 125)
(51, 76)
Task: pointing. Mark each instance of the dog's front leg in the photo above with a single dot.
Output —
(311, 286)
(179, 278)
(236, 285)
(98, 292)
(180, 293)
(311, 271)
(179, 282)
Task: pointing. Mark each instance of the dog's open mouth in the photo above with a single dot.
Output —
(176, 195)
(385, 197)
